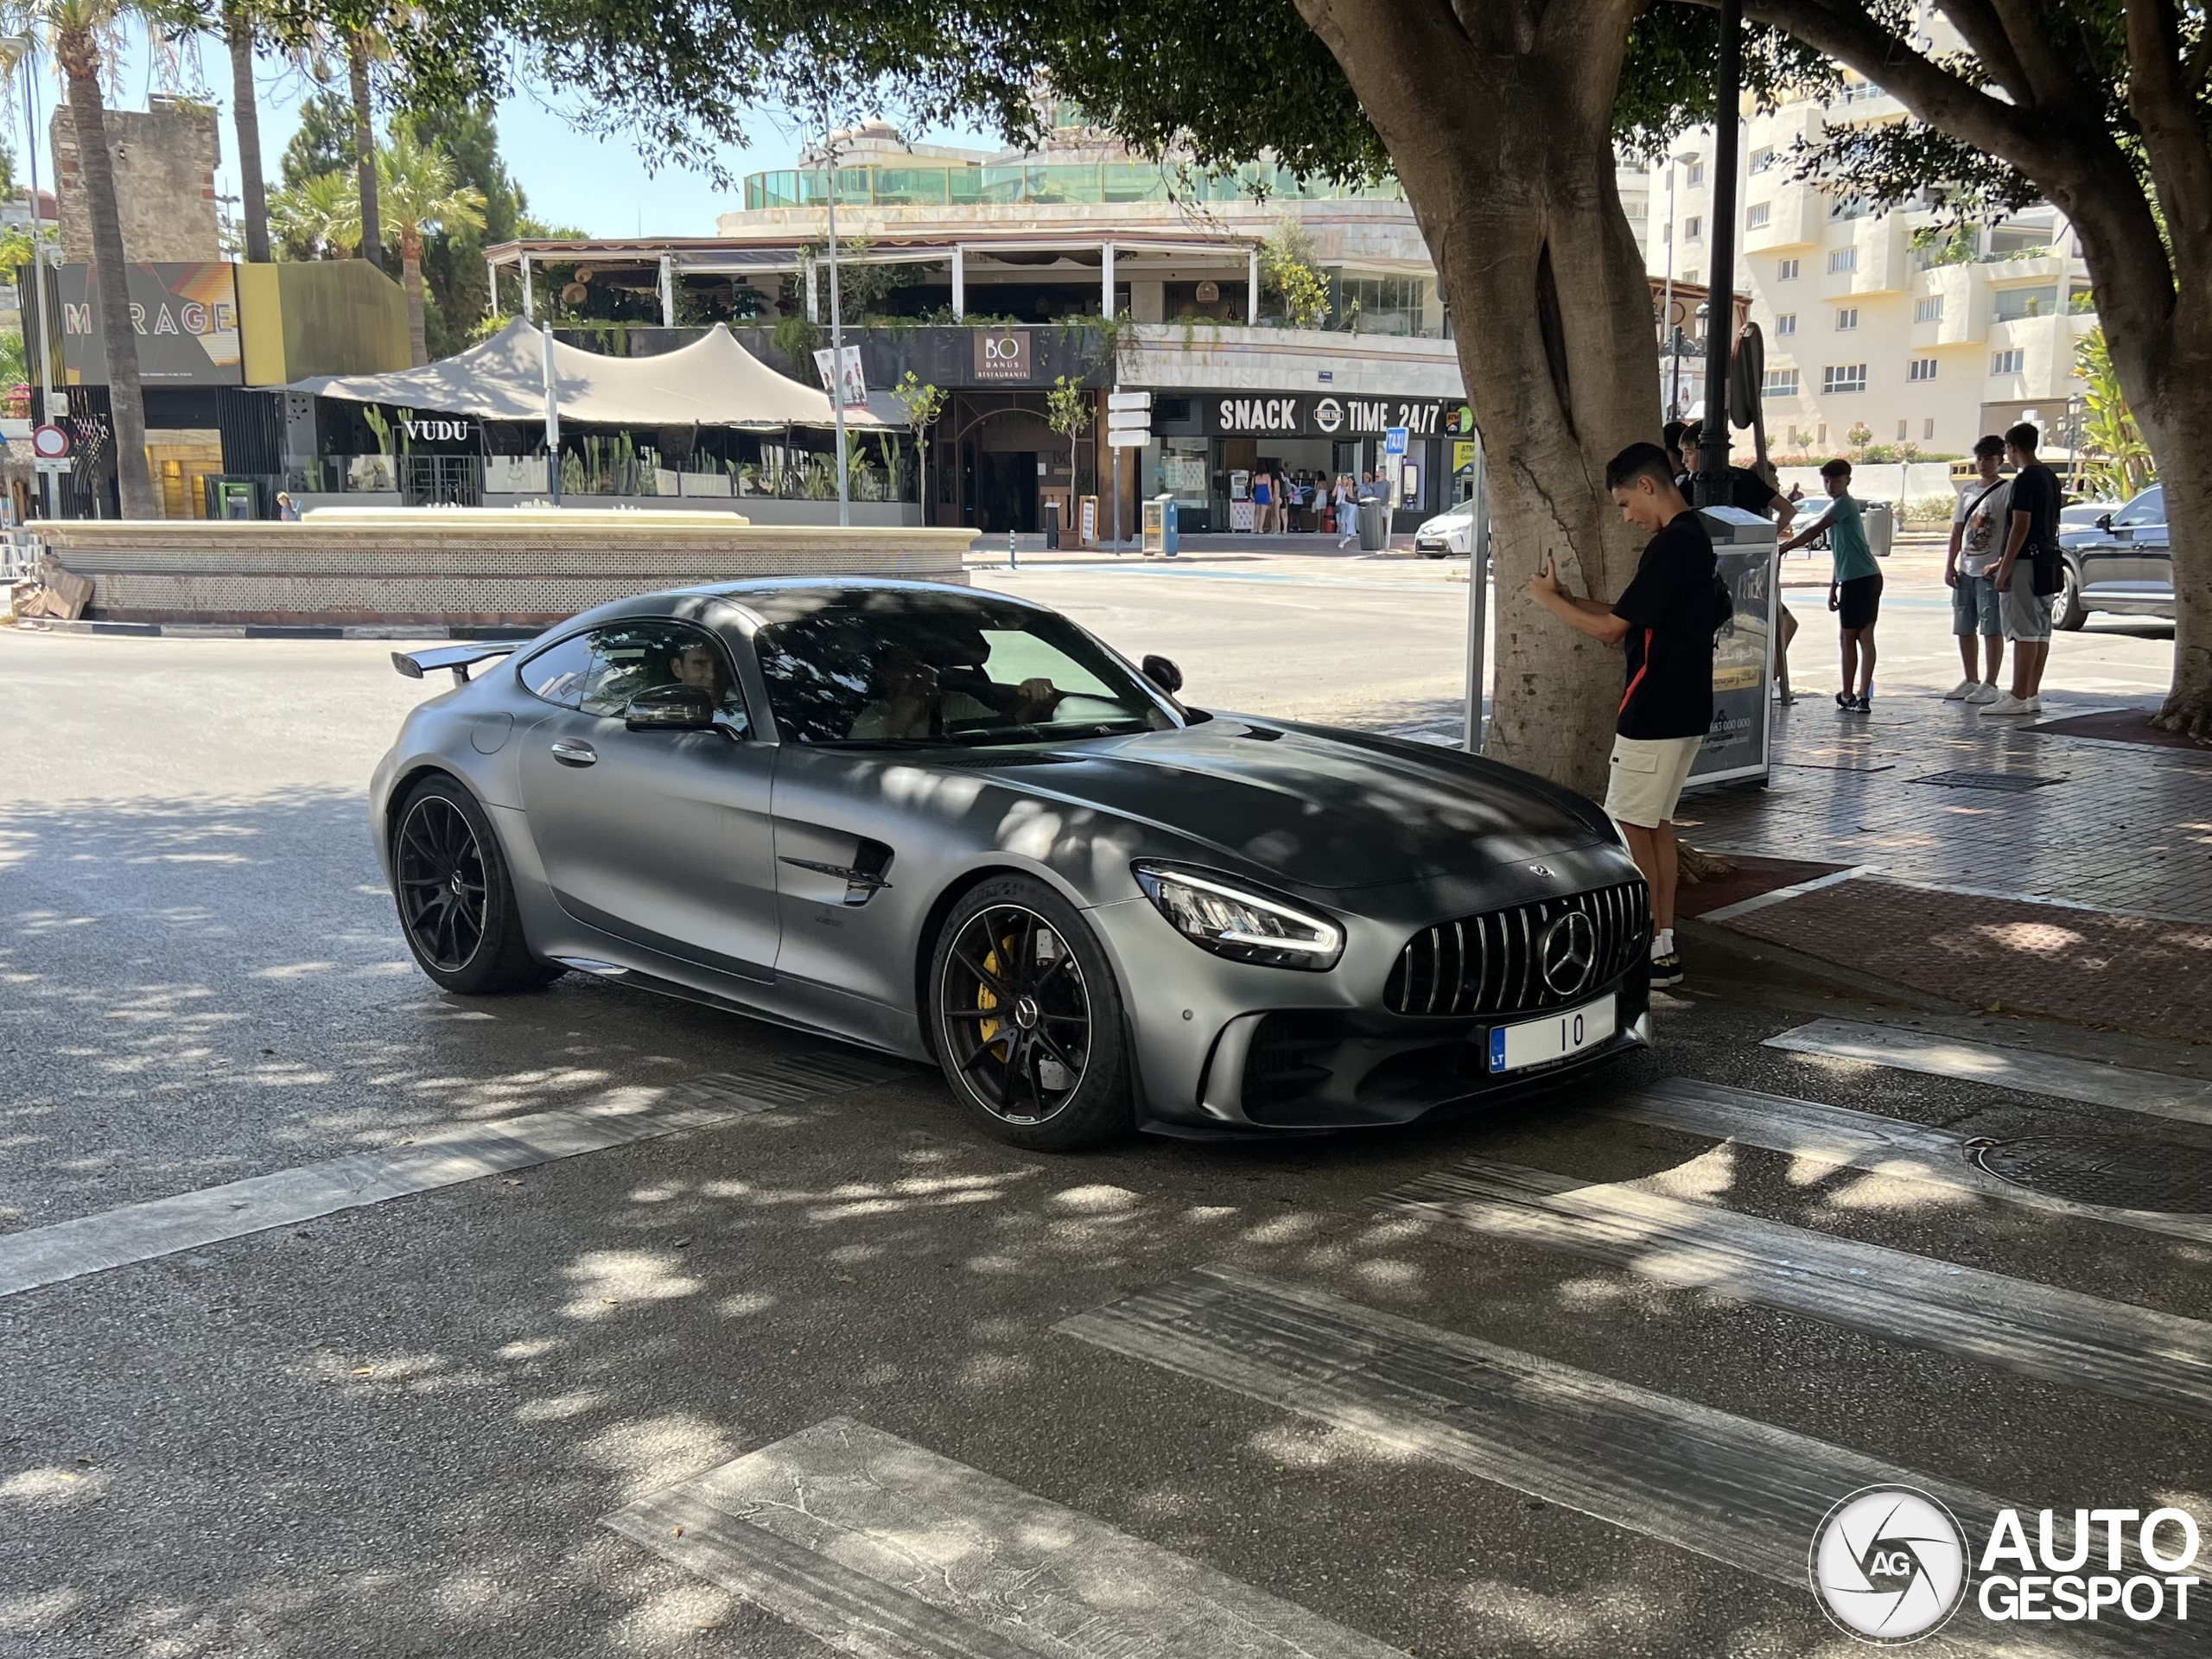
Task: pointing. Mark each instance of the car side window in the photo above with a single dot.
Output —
(599, 672)
(2148, 508)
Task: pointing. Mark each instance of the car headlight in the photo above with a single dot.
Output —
(1233, 921)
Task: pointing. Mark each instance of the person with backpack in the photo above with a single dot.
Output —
(1664, 622)
(2028, 571)
(1976, 544)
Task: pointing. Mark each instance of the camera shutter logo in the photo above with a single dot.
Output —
(1328, 414)
(1889, 1565)
(1566, 953)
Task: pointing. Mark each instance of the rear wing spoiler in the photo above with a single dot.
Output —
(416, 663)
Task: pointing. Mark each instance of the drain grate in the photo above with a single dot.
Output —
(2121, 1171)
(2006, 783)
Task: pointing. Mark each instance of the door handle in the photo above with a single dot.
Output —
(575, 752)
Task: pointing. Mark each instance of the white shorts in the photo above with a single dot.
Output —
(1648, 775)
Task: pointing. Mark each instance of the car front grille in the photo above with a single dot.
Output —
(1490, 964)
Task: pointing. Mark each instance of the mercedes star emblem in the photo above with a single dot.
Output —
(1566, 954)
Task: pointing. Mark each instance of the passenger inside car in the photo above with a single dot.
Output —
(915, 700)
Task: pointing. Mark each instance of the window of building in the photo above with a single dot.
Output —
(1692, 277)
(2011, 304)
(1928, 307)
(1903, 428)
(1842, 259)
(1780, 383)
(1843, 377)
(2012, 362)
(1927, 428)
(1697, 175)
(1379, 304)
(1823, 437)
(1846, 317)
(1850, 208)
(1756, 215)
(1786, 323)
(1762, 159)
(1785, 270)
(1693, 228)
(1921, 368)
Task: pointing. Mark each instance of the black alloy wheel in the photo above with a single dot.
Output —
(1028, 1021)
(457, 903)
(439, 870)
(2067, 610)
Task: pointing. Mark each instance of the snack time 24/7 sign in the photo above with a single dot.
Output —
(1304, 416)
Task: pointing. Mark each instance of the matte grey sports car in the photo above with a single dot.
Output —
(955, 826)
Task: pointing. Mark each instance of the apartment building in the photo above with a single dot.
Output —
(1892, 322)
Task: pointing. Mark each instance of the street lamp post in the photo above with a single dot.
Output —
(18, 51)
(837, 329)
(1720, 280)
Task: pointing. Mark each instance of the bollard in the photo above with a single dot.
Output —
(1013, 552)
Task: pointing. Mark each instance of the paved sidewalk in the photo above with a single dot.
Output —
(1988, 862)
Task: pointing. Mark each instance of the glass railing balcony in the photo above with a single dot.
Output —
(1040, 183)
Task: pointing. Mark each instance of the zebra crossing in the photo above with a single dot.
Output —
(880, 1548)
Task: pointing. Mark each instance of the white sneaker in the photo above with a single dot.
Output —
(2035, 705)
(1983, 692)
(1962, 690)
(2009, 704)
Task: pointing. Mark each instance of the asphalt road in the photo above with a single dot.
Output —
(397, 1428)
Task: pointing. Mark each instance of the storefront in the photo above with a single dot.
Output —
(1208, 445)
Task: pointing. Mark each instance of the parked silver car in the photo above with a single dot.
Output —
(954, 826)
(2123, 565)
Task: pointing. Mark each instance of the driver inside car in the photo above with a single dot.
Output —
(912, 701)
(698, 664)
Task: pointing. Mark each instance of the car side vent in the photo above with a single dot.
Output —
(1261, 734)
(1491, 963)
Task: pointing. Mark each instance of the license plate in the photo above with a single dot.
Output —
(1533, 1042)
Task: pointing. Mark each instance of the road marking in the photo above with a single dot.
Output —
(2057, 1336)
(882, 1548)
(1735, 1490)
(1862, 1140)
(140, 1232)
(2028, 1070)
(1761, 900)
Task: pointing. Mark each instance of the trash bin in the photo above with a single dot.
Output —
(1160, 532)
(1881, 527)
(1374, 526)
(1052, 523)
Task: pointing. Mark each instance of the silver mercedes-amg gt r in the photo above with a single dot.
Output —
(954, 826)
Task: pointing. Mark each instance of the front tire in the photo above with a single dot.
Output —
(2067, 610)
(456, 901)
(1027, 1021)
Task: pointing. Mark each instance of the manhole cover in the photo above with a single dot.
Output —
(2120, 1171)
(2008, 783)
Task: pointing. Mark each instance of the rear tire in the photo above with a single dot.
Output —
(456, 901)
(1027, 1021)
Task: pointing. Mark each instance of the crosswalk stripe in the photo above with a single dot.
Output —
(1735, 1490)
(2030, 1071)
(139, 1232)
(1862, 1140)
(2057, 1336)
(882, 1548)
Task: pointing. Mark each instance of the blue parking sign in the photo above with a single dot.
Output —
(1393, 441)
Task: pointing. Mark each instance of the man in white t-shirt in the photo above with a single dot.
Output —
(1977, 540)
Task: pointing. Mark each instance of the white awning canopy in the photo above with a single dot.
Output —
(714, 381)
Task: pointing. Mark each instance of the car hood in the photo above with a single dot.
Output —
(1320, 808)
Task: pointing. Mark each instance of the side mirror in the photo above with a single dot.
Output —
(670, 709)
(1163, 673)
(2104, 521)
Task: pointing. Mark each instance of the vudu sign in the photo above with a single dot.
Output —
(438, 431)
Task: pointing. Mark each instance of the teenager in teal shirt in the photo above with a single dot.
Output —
(1855, 587)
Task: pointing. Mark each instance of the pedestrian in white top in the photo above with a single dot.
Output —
(1976, 541)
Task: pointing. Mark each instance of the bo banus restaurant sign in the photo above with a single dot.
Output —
(1299, 414)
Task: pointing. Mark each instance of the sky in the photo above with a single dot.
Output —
(600, 186)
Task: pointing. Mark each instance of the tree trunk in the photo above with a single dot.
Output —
(245, 117)
(411, 265)
(1501, 134)
(364, 149)
(80, 61)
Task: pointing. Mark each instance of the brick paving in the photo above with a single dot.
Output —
(2088, 897)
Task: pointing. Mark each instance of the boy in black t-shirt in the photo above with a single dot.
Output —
(2028, 569)
(1665, 623)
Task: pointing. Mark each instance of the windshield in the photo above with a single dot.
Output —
(898, 669)
(2148, 508)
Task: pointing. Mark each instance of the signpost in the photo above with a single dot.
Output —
(1478, 600)
(1128, 426)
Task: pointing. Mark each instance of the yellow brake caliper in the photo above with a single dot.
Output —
(987, 1030)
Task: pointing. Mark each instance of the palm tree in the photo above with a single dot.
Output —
(319, 217)
(239, 31)
(421, 195)
(84, 32)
